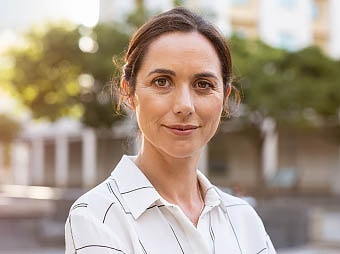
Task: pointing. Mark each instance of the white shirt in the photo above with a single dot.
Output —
(125, 214)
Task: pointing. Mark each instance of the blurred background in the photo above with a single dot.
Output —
(60, 135)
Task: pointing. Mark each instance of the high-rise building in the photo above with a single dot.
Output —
(289, 24)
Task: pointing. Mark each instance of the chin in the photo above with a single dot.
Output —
(182, 153)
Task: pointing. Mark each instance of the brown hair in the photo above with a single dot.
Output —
(178, 19)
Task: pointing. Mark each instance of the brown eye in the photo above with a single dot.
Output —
(161, 82)
(203, 85)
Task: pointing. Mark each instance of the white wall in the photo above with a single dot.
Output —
(334, 29)
(286, 26)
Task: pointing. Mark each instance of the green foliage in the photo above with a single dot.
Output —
(98, 107)
(315, 79)
(292, 87)
(178, 2)
(139, 15)
(46, 73)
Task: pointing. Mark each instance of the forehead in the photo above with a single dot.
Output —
(182, 41)
(182, 49)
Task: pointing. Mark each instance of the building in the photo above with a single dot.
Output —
(65, 154)
(289, 24)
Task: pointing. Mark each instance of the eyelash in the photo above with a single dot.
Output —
(168, 82)
(209, 84)
(156, 80)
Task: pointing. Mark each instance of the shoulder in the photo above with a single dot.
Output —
(96, 222)
(96, 202)
(239, 209)
(246, 223)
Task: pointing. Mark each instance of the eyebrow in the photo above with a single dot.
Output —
(172, 73)
(162, 71)
(205, 75)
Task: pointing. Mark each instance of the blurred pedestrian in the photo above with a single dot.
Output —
(177, 79)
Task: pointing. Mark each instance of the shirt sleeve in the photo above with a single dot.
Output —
(86, 235)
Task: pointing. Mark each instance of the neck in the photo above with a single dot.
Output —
(170, 176)
(175, 179)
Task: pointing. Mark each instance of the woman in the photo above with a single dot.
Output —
(177, 79)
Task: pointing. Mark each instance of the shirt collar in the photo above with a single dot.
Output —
(139, 194)
(136, 189)
(211, 195)
(216, 197)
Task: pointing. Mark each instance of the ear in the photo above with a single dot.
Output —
(126, 92)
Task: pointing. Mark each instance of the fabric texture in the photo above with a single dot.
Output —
(125, 214)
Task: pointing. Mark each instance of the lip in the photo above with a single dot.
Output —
(181, 129)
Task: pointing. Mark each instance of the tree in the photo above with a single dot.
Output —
(46, 73)
(97, 101)
(296, 89)
(139, 15)
(315, 80)
(286, 85)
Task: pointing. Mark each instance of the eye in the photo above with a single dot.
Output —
(161, 82)
(203, 84)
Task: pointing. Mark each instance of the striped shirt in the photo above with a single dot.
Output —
(125, 214)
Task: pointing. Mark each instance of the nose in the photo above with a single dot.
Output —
(183, 101)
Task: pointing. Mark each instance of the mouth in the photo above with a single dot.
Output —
(180, 127)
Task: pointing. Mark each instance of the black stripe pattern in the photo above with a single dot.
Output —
(125, 215)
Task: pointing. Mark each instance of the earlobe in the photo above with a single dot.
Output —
(226, 101)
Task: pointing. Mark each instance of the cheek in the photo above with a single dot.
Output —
(149, 109)
(212, 113)
(213, 107)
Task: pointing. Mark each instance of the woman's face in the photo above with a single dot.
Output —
(179, 94)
